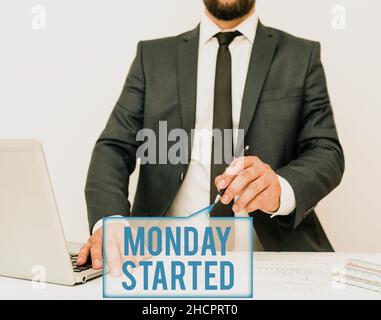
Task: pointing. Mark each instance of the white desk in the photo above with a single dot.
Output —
(276, 276)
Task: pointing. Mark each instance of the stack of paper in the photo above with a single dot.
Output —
(363, 274)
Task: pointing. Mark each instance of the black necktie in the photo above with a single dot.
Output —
(222, 152)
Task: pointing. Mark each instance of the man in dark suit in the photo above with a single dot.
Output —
(229, 73)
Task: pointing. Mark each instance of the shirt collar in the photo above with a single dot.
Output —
(248, 28)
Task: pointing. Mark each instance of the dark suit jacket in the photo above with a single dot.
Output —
(287, 118)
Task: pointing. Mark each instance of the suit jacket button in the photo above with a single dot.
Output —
(182, 176)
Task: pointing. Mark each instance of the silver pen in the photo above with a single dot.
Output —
(219, 195)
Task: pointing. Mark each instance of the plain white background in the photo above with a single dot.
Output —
(60, 84)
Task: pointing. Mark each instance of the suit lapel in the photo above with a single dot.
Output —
(264, 47)
(187, 62)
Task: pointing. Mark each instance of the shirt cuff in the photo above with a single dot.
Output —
(287, 199)
(99, 223)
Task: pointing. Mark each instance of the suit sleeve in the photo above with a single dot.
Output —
(114, 155)
(319, 165)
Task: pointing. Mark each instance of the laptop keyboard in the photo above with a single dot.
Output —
(76, 268)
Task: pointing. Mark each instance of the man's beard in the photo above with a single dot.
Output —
(228, 12)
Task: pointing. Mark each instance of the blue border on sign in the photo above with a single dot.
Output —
(105, 296)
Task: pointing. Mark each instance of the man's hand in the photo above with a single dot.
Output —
(92, 248)
(114, 249)
(254, 183)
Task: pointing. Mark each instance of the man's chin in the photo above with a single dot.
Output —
(229, 10)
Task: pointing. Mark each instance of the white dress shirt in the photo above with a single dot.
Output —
(194, 193)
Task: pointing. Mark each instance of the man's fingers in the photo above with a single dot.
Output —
(248, 178)
(240, 183)
(258, 203)
(96, 255)
(223, 180)
(235, 168)
(83, 254)
(252, 190)
(241, 164)
(86, 250)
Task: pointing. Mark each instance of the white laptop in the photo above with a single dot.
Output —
(32, 243)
